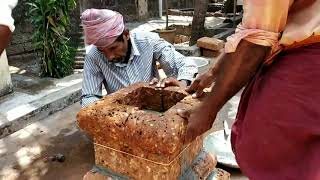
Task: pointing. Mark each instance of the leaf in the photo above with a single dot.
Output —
(64, 20)
(55, 30)
(33, 5)
(51, 21)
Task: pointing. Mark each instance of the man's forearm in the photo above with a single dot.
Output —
(5, 36)
(233, 72)
(87, 100)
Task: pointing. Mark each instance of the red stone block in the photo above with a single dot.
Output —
(138, 133)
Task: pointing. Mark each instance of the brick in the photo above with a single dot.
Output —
(210, 43)
(141, 121)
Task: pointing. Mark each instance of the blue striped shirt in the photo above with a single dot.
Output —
(147, 48)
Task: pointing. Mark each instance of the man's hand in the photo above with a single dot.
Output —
(170, 81)
(200, 120)
(201, 82)
(230, 74)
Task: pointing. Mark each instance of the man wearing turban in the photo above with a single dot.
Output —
(119, 58)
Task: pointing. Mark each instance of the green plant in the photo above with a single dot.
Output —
(50, 20)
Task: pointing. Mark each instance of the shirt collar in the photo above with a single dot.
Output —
(135, 51)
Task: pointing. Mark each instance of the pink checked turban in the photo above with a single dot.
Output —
(101, 26)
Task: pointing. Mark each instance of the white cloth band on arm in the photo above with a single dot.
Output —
(256, 36)
(6, 7)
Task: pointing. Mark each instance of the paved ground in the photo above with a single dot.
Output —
(23, 154)
(36, 98)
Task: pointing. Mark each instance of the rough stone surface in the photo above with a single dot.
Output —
(47, 137)
(210, 43)
(142, 122)
(201, 167)
(140, 169)
(219, 174)
(204, 164)
(95, 176)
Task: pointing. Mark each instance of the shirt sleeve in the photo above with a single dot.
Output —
(172, 62)
(92, 82)
(262, 23)
(6, 19)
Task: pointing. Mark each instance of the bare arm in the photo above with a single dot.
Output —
(5, 36)
(233, 71)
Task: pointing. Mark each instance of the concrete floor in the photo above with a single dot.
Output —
(23, 154)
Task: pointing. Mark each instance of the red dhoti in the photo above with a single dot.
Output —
(277, 131)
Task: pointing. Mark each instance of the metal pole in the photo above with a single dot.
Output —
(160, 8)
(234, 12)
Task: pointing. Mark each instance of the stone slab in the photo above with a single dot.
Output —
(210, 43)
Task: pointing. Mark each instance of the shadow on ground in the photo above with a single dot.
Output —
(79, 158)
(79, 154)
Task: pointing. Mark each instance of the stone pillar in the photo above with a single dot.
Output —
(5, 78)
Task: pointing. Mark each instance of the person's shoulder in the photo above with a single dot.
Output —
(92, 52)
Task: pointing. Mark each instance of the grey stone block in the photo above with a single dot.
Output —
(187, 50)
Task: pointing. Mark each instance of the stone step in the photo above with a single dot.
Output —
(81, 49)
(77, 67)
(81, 53)
(21, 109)
(79, 58)
(78, 64)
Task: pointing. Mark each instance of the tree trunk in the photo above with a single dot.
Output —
(199, 17)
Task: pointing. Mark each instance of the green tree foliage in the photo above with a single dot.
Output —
(50, 20)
